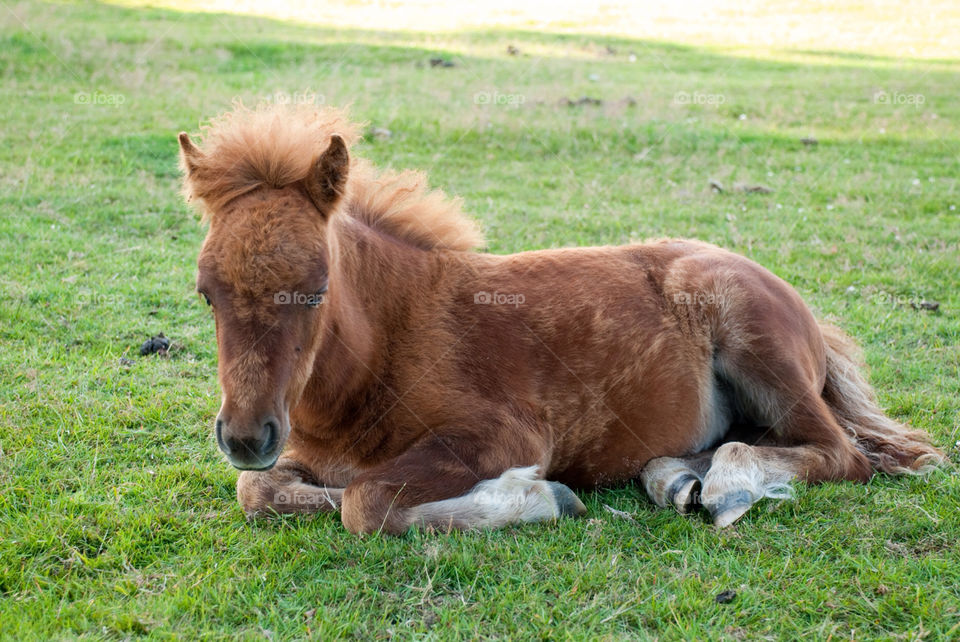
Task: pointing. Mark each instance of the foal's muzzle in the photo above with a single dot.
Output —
(251, 447)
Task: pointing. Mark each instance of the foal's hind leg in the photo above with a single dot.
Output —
(741, 474)
(770, 352)
(676, 481)
(288, 487)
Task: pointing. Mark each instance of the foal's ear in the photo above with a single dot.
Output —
(189, 154)
(327, 180)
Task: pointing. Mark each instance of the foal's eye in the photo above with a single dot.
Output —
(317, 297)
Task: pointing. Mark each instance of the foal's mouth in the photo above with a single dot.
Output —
(250, 468)
(253, 462)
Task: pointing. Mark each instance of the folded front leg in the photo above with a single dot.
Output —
(458, 484)
(288, 487)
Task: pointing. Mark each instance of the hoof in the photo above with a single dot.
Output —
(729, 508)
(684, 493)
(568, 504)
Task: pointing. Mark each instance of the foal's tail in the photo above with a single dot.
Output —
(891, 447)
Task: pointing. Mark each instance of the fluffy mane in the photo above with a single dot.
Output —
(275, 145)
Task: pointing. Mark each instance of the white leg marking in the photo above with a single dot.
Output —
(669, 481)
(518, 495)
(738, 478)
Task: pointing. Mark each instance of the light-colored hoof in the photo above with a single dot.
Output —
(671, 482)
(685, 494)
(727, 509)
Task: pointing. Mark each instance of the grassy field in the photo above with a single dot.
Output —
(117, 513)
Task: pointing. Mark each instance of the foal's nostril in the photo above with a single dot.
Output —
(270, 433)
(255, 448)
(218, 429)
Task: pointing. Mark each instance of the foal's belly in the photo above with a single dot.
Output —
(647, 421)
(616, 460)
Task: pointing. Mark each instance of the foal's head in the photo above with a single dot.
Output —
(263, 269)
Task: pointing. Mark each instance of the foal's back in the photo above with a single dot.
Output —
(611, 348)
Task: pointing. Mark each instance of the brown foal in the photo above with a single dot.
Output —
(373, 362)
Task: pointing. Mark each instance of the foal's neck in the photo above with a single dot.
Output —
(370, 275)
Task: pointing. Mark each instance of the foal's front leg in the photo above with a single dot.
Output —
(288, 487)
(455, 484)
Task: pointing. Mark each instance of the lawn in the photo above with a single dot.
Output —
(117, 513)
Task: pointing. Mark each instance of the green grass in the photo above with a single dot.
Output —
(117, 514)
